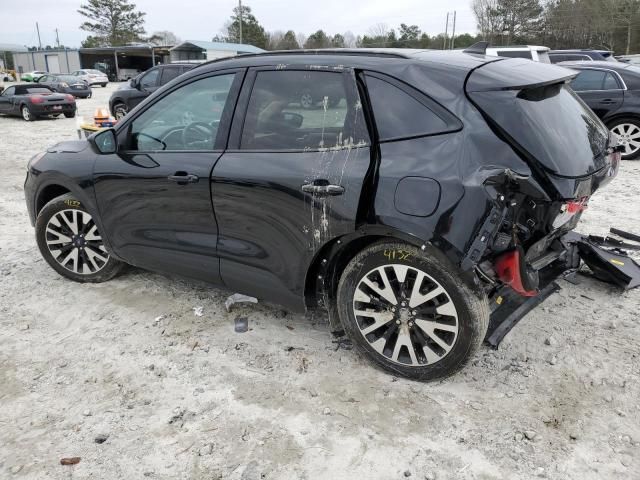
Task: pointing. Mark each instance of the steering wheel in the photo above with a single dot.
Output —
(197, 132)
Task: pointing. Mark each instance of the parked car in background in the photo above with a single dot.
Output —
(531, 52)
(66, 83)
(92, 77)
(31, 101)
(581, 55)
(383, 209)
(137, 89)
(126, 74)
(612, 90)
(632, 59)
(32, 76)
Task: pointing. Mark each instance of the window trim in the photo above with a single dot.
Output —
(453, 123)
(237, 127)
(600, 69)
(123, 128)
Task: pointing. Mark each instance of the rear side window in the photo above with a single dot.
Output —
(302, 110)
(168, 74)
(401, 115)
(631, 77)
(594, 80)
(515, 53)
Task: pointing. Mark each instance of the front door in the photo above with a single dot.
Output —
(291, 178)
(154, 194)
(6, 100)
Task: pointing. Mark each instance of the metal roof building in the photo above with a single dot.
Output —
(199, 50)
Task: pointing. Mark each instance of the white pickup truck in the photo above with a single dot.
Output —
(125, 74)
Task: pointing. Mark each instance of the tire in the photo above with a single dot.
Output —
(103, 85)
(306, 100)
(415, 336)
(120, 110)
(71, 244)
(70, 114)
(628, 131)
(27, 116)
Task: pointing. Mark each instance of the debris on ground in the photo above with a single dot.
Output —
(101, 438)
(238, 298)
(70, 461)
(241, 324)
(198, 311)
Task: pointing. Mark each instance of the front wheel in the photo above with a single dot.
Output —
(409, 312)
(69, 240)
(120, 110)
(628, 132)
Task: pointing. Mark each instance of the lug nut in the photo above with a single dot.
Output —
(411, 324)
(393, 309)
(398, 322)
(404, 304)
(413, 312)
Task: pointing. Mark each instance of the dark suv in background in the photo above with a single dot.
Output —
(426, 183)
(137, 89)
(581, 55)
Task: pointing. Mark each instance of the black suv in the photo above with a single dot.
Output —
(581, 55)
(137, 89)
(430, 182)
(612, 90)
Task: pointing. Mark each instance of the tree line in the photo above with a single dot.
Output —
(609, 24)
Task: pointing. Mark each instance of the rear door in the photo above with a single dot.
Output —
(600, 89)
(154, 194)
(290, 180)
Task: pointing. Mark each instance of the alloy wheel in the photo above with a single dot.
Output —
(306, 100)
(26, 114)
(405, 315)
(120, 111)
(629, 137)
(73, 239)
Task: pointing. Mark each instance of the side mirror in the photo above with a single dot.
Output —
(293, 120)
(104, 141)
(133, 83)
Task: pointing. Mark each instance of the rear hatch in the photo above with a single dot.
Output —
(532, 107)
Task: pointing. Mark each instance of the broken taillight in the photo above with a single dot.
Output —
(569, 209)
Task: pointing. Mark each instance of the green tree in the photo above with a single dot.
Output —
(112, 22)
(318, 39)
(520, 19)
(409, 36)
(337, 41)
(252, 32)
(289, 41)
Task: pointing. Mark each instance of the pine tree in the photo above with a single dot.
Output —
(112, 22)
(252, 32)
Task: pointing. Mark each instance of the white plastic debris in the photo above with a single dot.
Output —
(198, 311)
(238, 298)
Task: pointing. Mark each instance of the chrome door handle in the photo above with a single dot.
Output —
(323, 189)
(182, 178)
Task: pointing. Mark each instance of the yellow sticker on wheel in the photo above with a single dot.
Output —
(397, 254)
(72, 203)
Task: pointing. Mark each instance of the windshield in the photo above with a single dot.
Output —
(552, 124)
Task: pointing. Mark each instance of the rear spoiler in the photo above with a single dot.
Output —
(515, 74)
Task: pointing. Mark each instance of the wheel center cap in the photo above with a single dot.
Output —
(404, 315)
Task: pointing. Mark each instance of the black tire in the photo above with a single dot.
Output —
(120, 110)
(94, 269)
(27, 116)
(628, 130)
(70, 114)
(103, 85)
(470, 310)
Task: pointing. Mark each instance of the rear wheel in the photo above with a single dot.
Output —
(628, 133)
(409, 313)
(26, 114)
(70, 242)
(70, 114)
(306, 100)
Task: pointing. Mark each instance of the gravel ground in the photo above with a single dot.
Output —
(181, 396)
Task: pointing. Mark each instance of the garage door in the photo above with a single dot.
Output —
(53, 65)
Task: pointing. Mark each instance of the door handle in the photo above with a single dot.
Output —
(608, 101)
(322, 189)
(182, 178)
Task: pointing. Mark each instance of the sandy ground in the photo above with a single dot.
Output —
(181, 396)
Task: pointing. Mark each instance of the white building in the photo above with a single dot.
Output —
(199, 50)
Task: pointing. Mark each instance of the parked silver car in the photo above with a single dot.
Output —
(92, 76)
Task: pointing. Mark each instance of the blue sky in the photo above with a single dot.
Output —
(202, 19)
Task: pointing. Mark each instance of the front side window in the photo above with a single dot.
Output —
(186, 119)
(302, 110)
(150, 79)
(589, 80)
(400, 115)
(169, 74)
(9, 91)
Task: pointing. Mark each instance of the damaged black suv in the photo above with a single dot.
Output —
(408, 201)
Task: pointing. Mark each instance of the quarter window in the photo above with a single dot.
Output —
(300, 110)
(398, 114)
(186, 119)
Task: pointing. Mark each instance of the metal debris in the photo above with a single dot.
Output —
(241, 324)
(238, 298)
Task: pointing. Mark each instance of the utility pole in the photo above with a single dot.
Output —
(453, 33)
(240, 15)
(446, 29)
(57, 39)
(39, 41)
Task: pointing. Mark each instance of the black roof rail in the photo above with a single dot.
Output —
(479, 48)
